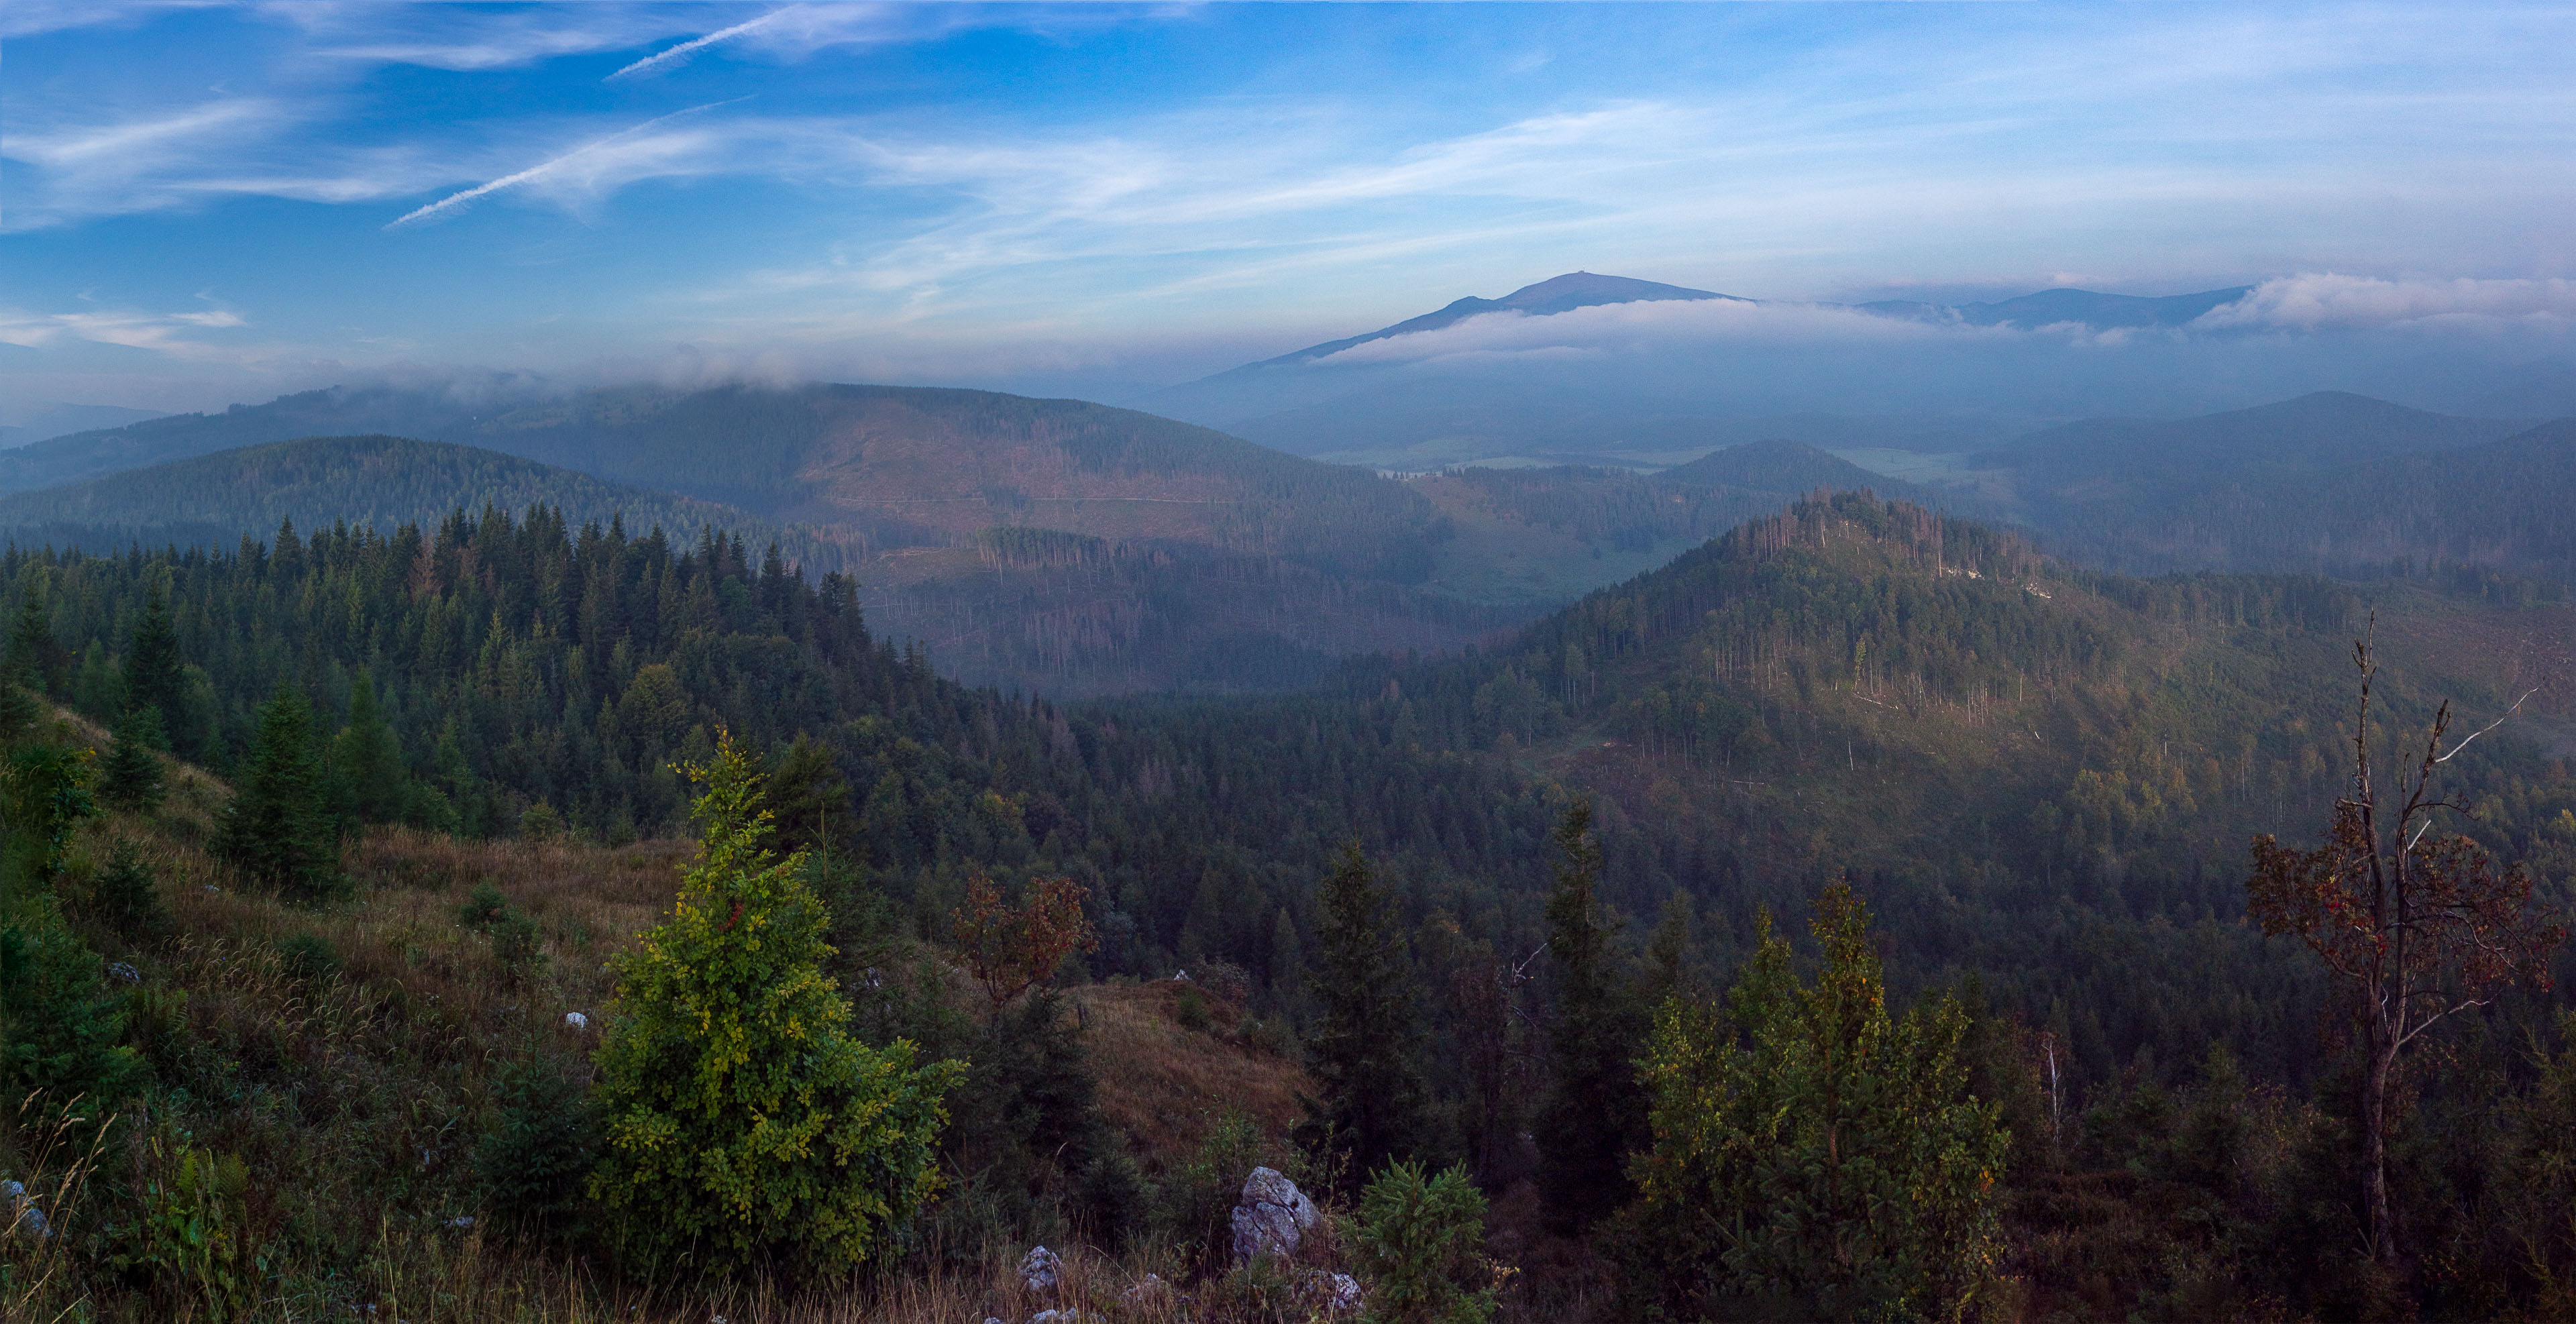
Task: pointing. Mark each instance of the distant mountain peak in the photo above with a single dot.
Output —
(1556, 294)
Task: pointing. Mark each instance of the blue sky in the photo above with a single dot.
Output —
(202, 203)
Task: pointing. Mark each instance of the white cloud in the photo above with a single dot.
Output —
(170, 334)
(2330, 301)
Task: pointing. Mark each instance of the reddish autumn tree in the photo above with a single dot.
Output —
(2416, 924)
(1011, 948)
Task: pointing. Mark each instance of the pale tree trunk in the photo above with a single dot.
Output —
(2374, 1147)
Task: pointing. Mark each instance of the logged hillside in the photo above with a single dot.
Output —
(377, 481)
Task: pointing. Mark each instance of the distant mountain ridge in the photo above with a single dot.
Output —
(380, 481)
(1557, 294)
(1584, 289)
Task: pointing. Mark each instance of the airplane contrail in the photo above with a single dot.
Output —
(460, 199)
(688, 48)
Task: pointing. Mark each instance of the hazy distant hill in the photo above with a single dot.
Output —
(56, 420)
(2331, 482)
(1797, 468)
(2324, 427)
(897, 466)
(379, 481)
(1212, 562)
(2508, 504)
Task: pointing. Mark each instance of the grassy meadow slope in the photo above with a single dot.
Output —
(351, 1058)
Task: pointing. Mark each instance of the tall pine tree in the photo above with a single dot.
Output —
(34, 658)
(1596, 1112)
(1365, 1052)
(155, 678)
(366, 760)
(278, 830)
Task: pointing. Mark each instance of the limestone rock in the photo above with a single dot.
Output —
(1272, 1218)
(1041, 1270)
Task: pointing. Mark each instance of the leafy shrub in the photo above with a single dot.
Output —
(191, 1237)
(516, 945)
(744, 1123)
(1191, 1010)
(1420, 1243)
(308, 956)
(540, 823)
(484, 906)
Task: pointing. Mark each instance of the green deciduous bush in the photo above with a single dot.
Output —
(190, 1237)
(1420, 1243)
(1814, 1155)
(745, 1124)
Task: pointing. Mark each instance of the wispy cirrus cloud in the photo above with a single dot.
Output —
(653, 149)
(680, 54)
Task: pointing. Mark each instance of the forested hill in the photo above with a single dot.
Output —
(2044, 776)
(901, 466)
(1796, 467)
(2508, 504)
(384, 482)
(1204, 561)
(2329, 483)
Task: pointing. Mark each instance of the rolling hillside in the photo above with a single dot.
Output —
(1218, 563)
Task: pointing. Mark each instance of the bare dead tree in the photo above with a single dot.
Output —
(2416, 925)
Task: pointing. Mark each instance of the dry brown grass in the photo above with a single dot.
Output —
(1162, 1085)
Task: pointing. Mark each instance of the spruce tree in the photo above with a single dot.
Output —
(745, 1124)
(1596, 1111)
(1814, 1157)
(366, 760)
(1365, 1053)
(155, 678)
(278, 829)
(61, 1029)
(34, 658)
(130, 777)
